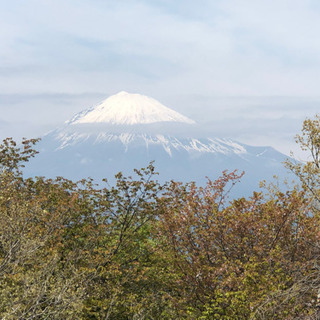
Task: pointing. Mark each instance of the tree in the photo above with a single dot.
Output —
(304, 292)
(37, 276)
(229, 257)
(309, 172)
(75, 251)
(141, 250)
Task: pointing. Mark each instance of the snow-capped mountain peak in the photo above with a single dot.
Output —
(129, 109)
(128, 131)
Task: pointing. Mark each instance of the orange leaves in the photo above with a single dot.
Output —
(246, 244)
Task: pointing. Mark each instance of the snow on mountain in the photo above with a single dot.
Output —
(127, 131)
(169, 143)
(126, 118)
(126, 108)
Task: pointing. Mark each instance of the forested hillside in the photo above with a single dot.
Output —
(144, 250)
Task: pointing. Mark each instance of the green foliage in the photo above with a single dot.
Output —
(309, 172)
(141, 250)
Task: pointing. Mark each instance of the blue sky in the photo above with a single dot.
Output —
(222, 62)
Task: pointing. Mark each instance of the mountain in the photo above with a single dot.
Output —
(127, 131)
(129, 109)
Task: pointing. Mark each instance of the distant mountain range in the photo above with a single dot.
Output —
(127, 131)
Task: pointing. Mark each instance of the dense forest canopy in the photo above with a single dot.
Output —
(144, 250)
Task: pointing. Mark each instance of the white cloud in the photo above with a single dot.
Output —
(228, 48)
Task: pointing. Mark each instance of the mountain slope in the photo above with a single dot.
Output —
(127, 131)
